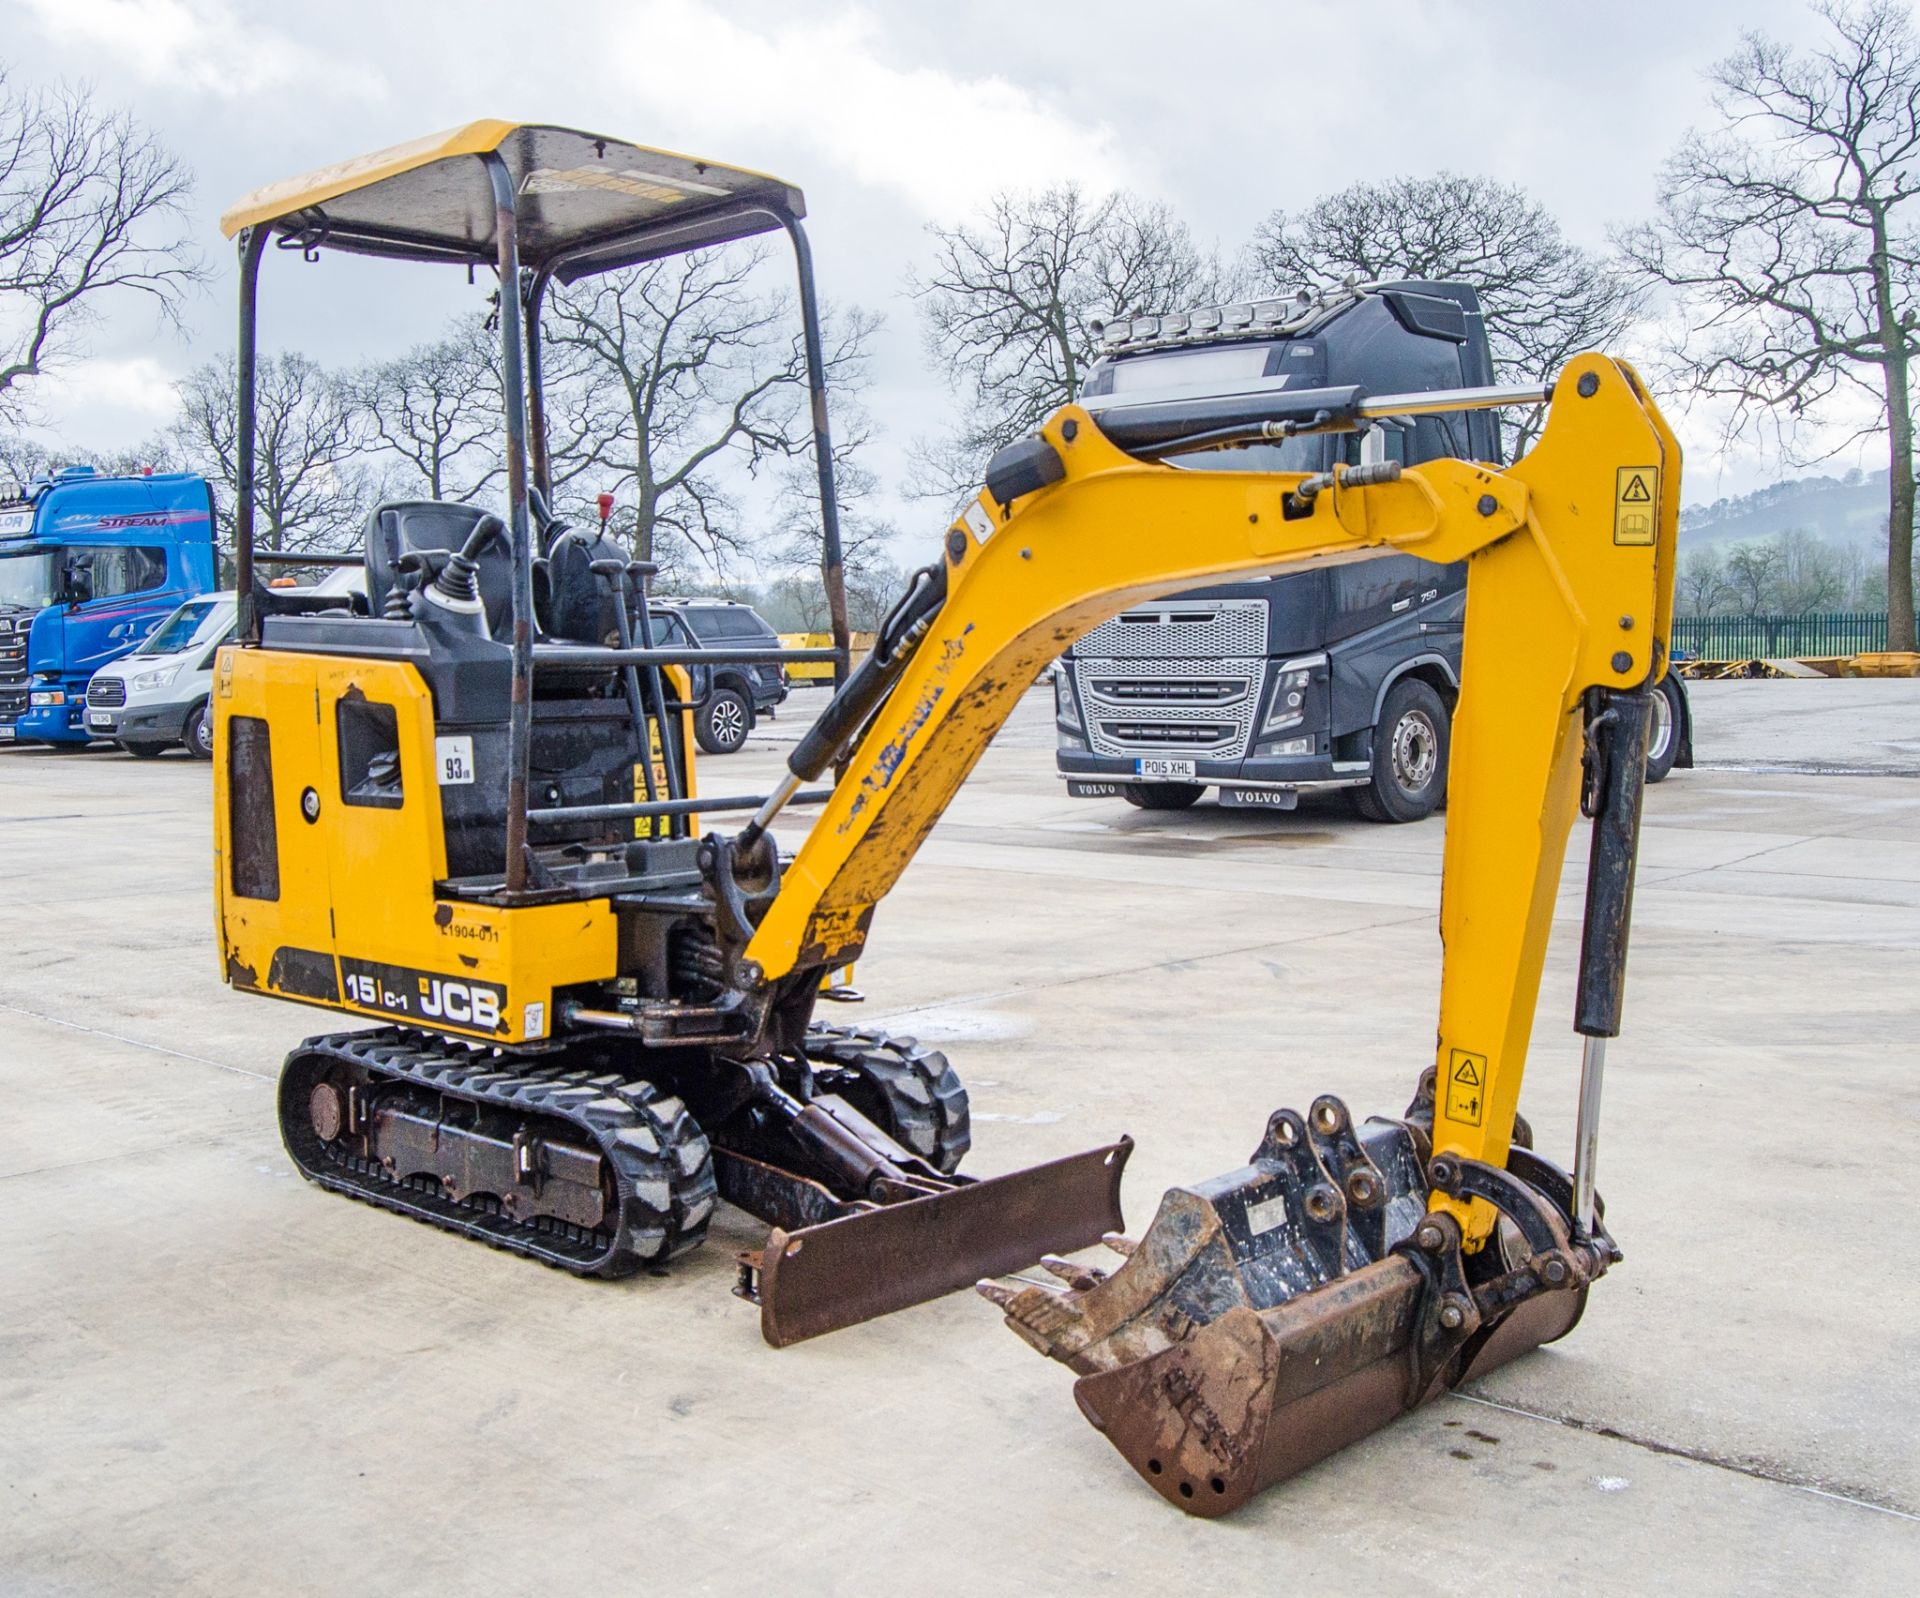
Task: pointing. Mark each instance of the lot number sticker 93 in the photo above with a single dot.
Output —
(453, 758)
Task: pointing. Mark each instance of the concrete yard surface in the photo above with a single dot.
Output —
(216, 1379)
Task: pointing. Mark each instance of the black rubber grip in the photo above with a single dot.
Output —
(1616, 789)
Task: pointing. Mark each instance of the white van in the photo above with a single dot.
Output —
(157, 697)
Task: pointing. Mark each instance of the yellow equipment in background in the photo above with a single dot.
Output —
(426, 817)
(819, 672)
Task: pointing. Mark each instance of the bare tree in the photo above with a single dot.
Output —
(1811, 576)
(864, 533)
(683, 366)
(1701, 585)
(1544, 298)
(1752, 575)
(311, 483)
(92, 207)
(24, 457)
(1788, 235)
(1006, 304)
(437, 411)
(872, 589)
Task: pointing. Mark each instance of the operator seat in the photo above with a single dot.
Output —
(573, 602)
(427, 526)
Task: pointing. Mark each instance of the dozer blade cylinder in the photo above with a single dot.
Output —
(1259, 1395)
(841, 1272)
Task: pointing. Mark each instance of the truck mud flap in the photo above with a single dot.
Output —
(886, 1257)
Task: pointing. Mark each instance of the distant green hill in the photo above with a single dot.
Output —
(1843, 510)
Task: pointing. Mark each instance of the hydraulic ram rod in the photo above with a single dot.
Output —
(1455, 399)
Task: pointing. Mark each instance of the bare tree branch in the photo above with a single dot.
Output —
(1544, 299)
(437, 411)
(1005, 307)
(311, 485)
(1787, 235)
(91, 206)
(677, 368)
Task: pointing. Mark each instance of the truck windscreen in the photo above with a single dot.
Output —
(180, 629)
(1213, 369)
(27, 581)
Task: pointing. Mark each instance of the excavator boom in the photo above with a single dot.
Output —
(1349, 1272)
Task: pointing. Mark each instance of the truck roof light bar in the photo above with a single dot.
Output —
(1123, 335)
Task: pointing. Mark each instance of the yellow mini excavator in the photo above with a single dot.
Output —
(466, 815)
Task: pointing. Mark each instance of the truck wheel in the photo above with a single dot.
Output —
(144, 751)
(1161, 795)
(197, 735)
(722, 722)
(1410, 747)
(1663, 735)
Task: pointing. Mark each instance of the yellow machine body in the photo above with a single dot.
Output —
(353, 921)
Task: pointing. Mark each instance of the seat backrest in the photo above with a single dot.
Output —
(400, 527)
(571, 600)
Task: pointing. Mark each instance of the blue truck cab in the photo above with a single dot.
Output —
(89, 565)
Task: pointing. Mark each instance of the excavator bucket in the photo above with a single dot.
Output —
(1274, 1315)
(829, 1263)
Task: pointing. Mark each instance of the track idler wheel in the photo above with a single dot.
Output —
(1274, 1315)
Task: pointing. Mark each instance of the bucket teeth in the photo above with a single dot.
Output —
(1277, 1313)
(998, 1294)
(1078, 1277)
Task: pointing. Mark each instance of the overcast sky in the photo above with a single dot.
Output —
(888, 116)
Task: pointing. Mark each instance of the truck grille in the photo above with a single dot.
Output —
(1177, 677)
(1201, 630)
(1222, 739)
(107, 691)
(13, 669)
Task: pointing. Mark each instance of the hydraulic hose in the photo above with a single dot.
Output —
(859, 696)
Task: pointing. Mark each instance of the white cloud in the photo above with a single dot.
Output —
(104, 401)
(942, 141)
(200, 45)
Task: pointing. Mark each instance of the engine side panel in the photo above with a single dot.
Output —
(329, 839)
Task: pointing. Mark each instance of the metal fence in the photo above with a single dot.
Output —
(1780, 637)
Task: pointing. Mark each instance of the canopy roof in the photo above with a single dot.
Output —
(582, 202)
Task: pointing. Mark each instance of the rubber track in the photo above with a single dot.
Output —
(663, 1173)
(922, 1091)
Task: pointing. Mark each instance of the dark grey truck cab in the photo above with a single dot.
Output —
(1343, 677)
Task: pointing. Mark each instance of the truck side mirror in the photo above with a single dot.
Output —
(76, 585)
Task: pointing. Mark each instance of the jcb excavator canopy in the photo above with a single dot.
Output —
(583, 203)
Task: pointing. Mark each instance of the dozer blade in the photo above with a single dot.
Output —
(1274, 1315)
(885, 1257)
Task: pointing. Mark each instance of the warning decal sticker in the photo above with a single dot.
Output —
(1466, 1087)
(1636, 491)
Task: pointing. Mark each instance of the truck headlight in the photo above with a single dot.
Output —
(154, 679)
(51, 696)
(1292, 687)
(1065, 711)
